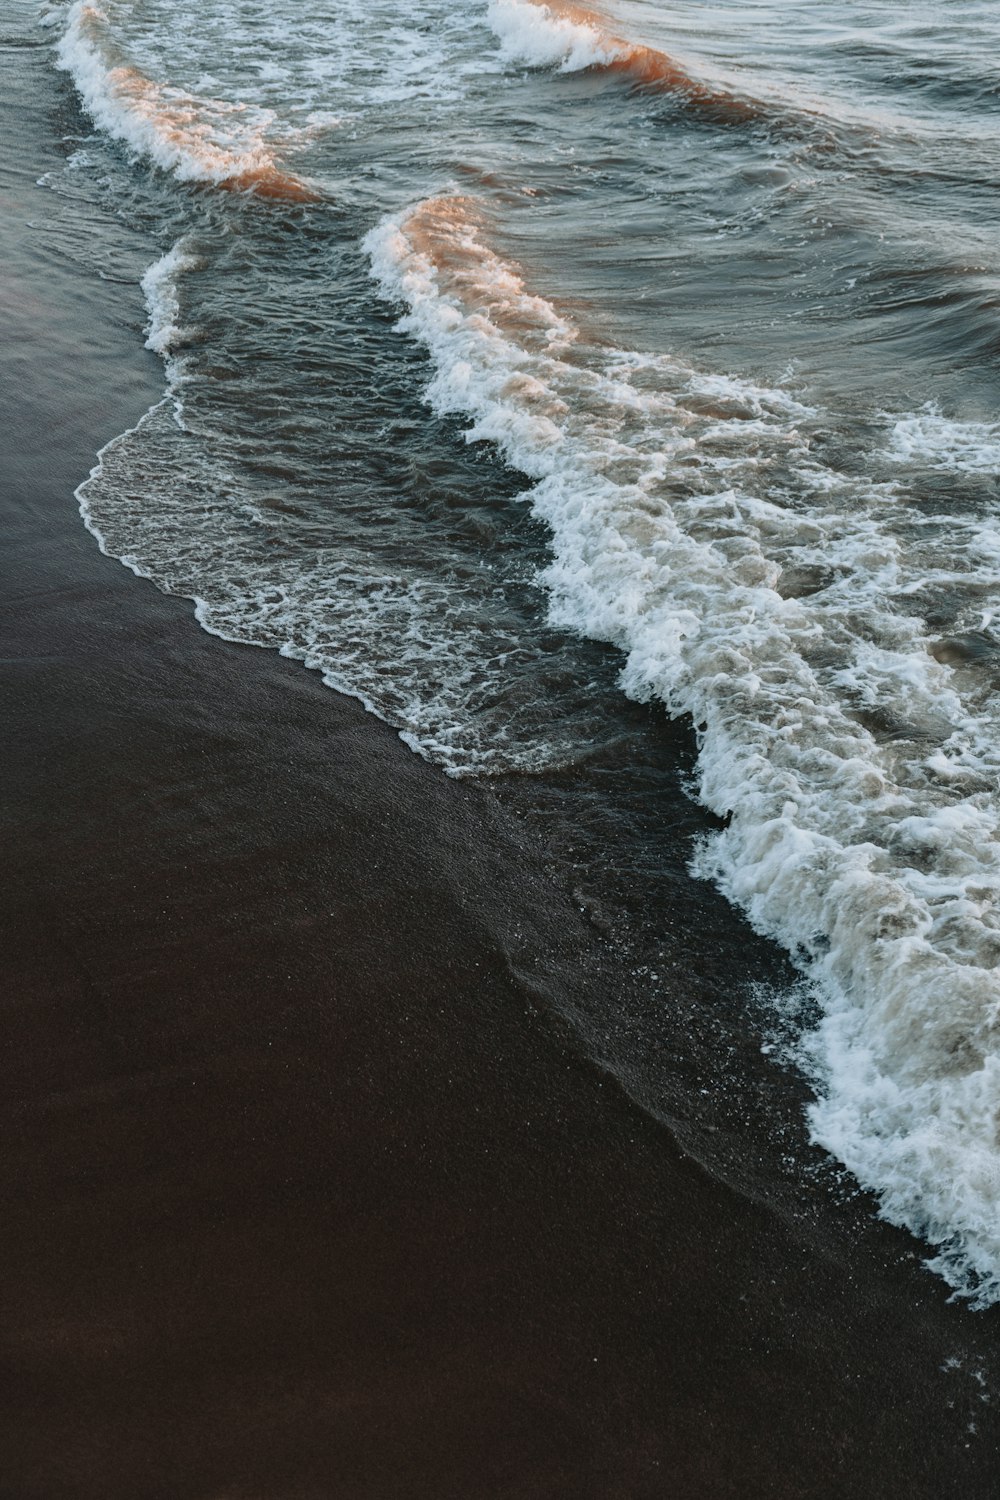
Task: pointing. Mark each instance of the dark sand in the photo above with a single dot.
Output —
(306, 1192)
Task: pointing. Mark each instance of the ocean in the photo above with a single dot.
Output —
(608, 401)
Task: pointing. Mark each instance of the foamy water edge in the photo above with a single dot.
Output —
(907, 1087)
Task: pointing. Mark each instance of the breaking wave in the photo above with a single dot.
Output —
(574, 38)
(196, 139)
(852, 755)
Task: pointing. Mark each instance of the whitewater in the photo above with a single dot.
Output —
(799, 552)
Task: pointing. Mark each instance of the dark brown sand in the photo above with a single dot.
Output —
(305, 1191)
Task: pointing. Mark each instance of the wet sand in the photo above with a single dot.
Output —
(308, 1192)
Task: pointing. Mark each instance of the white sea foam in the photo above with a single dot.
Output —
(161, 291)
(541, 38)
(928, 437)
(759, 592)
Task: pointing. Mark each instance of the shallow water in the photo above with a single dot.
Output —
(525, 365)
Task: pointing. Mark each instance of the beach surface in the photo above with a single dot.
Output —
(308, 1190)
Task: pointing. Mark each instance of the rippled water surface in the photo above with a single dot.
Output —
(525, 364)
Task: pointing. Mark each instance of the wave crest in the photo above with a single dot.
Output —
(551, 33)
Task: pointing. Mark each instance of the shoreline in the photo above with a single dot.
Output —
(309, 1191)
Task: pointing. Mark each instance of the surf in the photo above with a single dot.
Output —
(870, 853)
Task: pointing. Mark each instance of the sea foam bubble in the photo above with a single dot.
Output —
(929, 437)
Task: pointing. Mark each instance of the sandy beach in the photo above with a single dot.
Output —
(308, 1190)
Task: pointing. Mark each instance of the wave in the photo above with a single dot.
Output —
(196, 139)
(853, 759)
(930, 438)
(553, 33)
(428, 622)
(576, 38)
